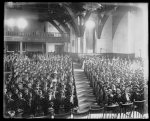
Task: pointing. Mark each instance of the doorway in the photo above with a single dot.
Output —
(59, 49)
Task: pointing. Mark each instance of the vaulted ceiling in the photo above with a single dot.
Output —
(64, 13)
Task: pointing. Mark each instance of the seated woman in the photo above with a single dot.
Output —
(126, 96)
(110, 96)
(27, 96)
(9, 102)
(118, 97)
(15, 93)
(40, 104)
(20, 104)
(137, 95)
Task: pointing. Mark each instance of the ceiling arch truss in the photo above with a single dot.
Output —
(73, 21)
(65, 26)
(56, 26)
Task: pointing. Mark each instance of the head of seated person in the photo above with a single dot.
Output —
(20, 85)
(15, 89)
(29, 85)
(9, 95)
(118, 91)
(40, 93)
(20, 95)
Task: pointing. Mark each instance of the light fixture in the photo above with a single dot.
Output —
(21, 23)
(90, 24)
(10, 22)
(9, 4)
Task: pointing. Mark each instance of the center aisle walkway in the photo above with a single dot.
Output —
(84, 91)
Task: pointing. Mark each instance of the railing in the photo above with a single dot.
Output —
(37, 34)
(52, 37)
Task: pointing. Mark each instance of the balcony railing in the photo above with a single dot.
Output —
(35, 34)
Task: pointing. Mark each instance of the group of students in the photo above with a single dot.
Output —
(8, 61)
(39, 83)
(115, 80)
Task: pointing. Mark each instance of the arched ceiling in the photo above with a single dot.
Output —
(64, 13)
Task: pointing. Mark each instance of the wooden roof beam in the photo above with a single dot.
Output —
(56, 26)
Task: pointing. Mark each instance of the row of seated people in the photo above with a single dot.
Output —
(115, 80)
(33, 85)
(10, 58)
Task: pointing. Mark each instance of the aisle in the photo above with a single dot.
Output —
(84, 91)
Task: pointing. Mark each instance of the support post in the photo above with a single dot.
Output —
(46, 48)
(79, 39)
(94, 41)
(21, 51)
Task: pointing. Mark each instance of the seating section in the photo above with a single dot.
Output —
(116, 81)
(40, 85)
(44, 86)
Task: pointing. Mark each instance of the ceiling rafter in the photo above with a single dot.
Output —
(67, 13)
(57, 27)
(73, 19)
(64, 26)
